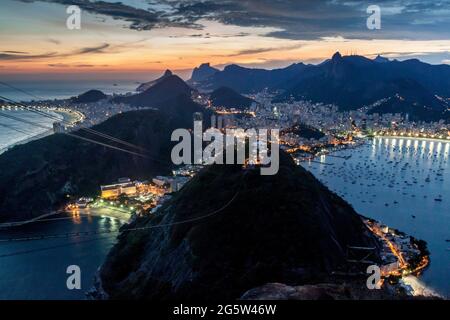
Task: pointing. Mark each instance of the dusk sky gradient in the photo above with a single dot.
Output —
(145, 37)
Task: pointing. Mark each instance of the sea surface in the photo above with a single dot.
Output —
(397, 182)
(36, 269)
(55, 89)
(13, 131)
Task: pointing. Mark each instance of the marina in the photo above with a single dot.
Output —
(403, 183)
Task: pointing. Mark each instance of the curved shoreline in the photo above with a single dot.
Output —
(24, 222)
(413, 138)
(67, 116)
(27, 139)
(412, 279)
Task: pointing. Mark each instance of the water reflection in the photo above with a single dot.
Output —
(404, 183)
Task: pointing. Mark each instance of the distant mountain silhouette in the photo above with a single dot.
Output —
(167, 88)
(354, 81)
(380, 59)
(89, 97)
(349, 82)
(203, 72)
(147, 85)
(246, 80)
(228, 98)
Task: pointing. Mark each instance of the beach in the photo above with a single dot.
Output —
(22, 133)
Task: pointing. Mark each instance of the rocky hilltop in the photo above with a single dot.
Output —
(147, 85)
(89, 97)
(156, 96)
(228, 98)
(203, 72)
(230, 230)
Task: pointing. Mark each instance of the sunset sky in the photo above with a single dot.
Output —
(136, 37)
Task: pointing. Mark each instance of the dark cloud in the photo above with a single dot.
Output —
(54, 41)
(305, 20)
(263, 50)
(16, 55)
(14, 52)
(97, 49)
(209, 35)
(140, 19)
(295, 19)
(64, 65)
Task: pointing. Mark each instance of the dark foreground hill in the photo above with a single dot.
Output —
(155, 96)
(305, 131)
(228, 98)
(41, 173)
(230, 230)
(147, 85)
(89, 97)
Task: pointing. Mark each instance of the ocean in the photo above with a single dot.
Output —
(13, 132)
(397, 181)
(56, 89)
(36, 269)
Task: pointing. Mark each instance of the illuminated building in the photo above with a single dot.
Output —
(115, 190)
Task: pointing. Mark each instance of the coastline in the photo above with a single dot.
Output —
(5, 225)
(413, 138)
(67, 116)
(26, 140)
(121, 215)
(411, 280)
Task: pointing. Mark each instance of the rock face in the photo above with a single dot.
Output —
(203, 72)
(230, 229)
